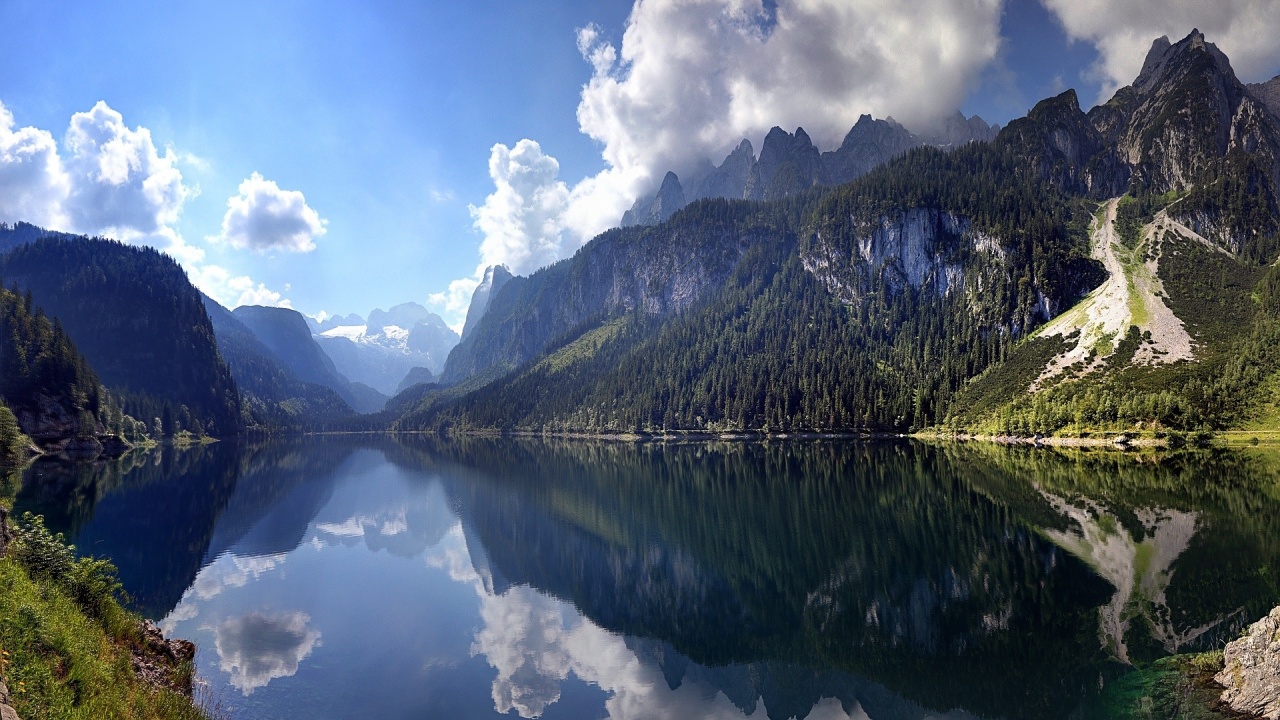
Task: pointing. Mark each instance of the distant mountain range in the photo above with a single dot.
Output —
(382, 351)
(790, 163)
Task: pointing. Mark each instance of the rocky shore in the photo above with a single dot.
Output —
(1251, 672)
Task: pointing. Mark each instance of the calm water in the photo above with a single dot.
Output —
(375, 578)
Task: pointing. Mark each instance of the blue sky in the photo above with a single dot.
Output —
(384, 115)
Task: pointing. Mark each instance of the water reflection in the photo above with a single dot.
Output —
(421, 577)
(256, 649)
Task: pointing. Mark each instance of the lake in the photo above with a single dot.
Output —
(380, 577)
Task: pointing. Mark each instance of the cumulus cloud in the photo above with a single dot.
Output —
(453, 301)
(257, 648)
(33, 182)
(522, 221)
(108, 180)
(233, 571)
(233, 290)
(121, 185)
(1248, 31)
(691, 78)
(263, 217)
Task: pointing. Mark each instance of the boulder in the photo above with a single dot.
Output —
(6, 712)
(1251, 674)
(6, 532)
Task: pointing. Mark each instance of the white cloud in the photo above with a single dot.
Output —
(523, 219)
(121, 185)
(1248, 31)
(691, 78)
(33, 182)
(233, 290)
(535, 642)
(263, 217)
(452, 303)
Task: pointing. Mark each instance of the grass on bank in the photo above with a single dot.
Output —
(65, 639)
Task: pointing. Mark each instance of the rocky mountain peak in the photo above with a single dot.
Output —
(670, 183)
(651, 211)
(1185, 111)
(1057, 108)
(729, 179)
(404, 315)
(1061, 146)
(1268, 93)
(788, 164)
(955, 130)
(495, 277)
(1166, 59)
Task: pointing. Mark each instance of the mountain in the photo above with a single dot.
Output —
(1109, 268)
(273, 393)
(21, 233)
(139, 322)
(404, 315)
(643, 269)
(870, 143)
(382, 351)
(285, 333)
(790, 163)
(332, 321)
(1185, 109)
(416, 376)
(1269, 93)
(669, 199)
(47, 389)
(495, 276)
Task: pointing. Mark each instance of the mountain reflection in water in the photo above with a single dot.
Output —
(472, 577)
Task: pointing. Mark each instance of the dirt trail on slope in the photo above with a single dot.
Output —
(1131, 296)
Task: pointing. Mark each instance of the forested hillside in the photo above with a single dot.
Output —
(921, 293)
(47, 389)
(140, 324)
(273, 395)
(866, 308)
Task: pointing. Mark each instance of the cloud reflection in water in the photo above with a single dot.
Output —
(258, 648)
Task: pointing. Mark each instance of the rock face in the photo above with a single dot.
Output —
(652, 211)
(870, 143)
(650, 271)
(1185, 111)
(159, 662)
(495, 276)
(1269, 93)
(6, 711)
(1252, 672)
(789, 163)
(6, 534)
(1063, 148)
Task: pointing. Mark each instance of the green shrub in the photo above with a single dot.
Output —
(90, 582)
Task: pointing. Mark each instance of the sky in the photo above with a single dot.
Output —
(337, 157)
